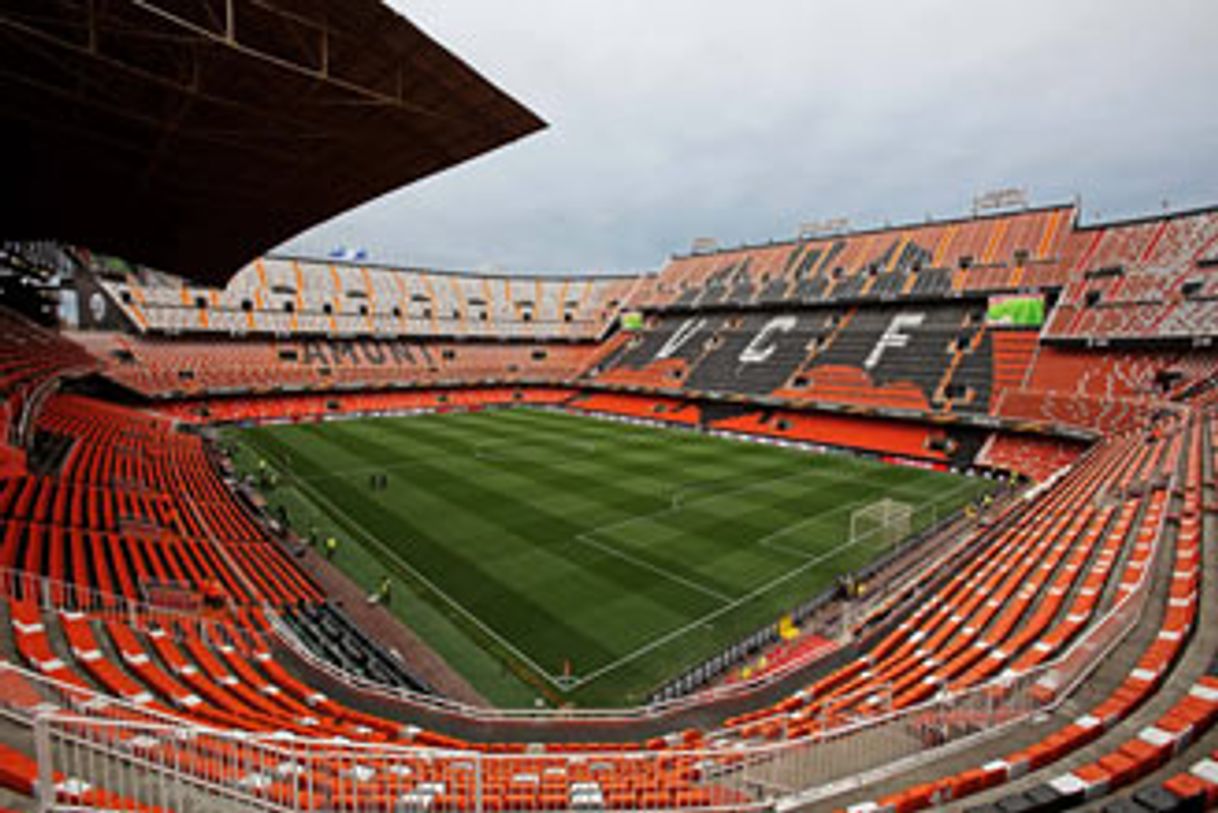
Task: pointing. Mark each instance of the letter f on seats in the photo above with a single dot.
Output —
(894, 336)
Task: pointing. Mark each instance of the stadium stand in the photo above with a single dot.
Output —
(1015, 352)
(263, 408)
(987, 620)
(1117, 373)
(33, 358)
(167, 646)
(669, 410)
(176, 368)
(1144, 280)
(327, 630)
(933, 260)
(893, 439)
(1036, 458)
(885, 437)
(1104, 414)
(943, 357)
(1194, 712)
(278, 296)
(134, 503)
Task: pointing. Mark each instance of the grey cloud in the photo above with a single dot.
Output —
(672, 119)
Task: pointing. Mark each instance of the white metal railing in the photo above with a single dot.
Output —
(143, 755)
(654, 710)
(926, 513)
(403, 697)
(131, 751)
(160, 763)
(55, 595)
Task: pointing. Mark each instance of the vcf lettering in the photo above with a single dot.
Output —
(895, 336)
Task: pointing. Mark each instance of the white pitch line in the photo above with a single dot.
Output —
(720, 611)
(711, 616)
(676, 506)
(584, 539)
(689, 486)
(677, 502)
(766, 543)
(456, 605)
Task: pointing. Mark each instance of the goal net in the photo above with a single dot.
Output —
(885, 522)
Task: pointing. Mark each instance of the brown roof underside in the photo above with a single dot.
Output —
(146, 134)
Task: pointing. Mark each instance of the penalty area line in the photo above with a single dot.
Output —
(585, 539)
(906, 491)
(676, 507)
(708, 618)
(719, 612)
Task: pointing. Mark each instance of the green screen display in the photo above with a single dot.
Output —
(1016, 311)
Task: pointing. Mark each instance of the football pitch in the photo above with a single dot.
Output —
(551, 555)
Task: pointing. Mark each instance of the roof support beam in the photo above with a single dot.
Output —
(231, 39)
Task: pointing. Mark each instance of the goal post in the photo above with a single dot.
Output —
(884, 522)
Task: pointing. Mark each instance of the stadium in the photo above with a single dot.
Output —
(869, 519)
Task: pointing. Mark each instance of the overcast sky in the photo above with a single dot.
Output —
(675, 119)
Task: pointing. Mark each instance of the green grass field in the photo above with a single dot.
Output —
(551, 555)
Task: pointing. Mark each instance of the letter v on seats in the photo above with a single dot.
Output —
(680, 337)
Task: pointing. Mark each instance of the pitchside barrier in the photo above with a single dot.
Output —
(841, 629)
(55, 596)
(674, 696)
(157, 760)
(686, 692)
(195, 768)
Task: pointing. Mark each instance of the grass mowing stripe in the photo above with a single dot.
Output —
(759, 591)
(661, 449)
(758, 498)
(479, 661)
(493, 503)
(393, 561)
(665, 566)
(558, 470)
(480, 590)
(431, 447)
(562, 471)
(528, 518)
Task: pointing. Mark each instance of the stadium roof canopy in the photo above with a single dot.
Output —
(192, 135)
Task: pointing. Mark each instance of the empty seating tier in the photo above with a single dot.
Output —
(280, 296)
(928, 357)
(166, 368)
(141, 595)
